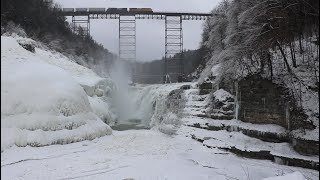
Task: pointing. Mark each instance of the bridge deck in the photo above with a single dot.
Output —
(139, 15)
(132, 14)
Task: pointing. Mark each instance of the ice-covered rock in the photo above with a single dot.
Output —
(42, 103)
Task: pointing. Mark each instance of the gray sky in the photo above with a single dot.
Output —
(150, 33)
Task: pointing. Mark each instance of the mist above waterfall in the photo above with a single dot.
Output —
(131, 104)
(121, 99)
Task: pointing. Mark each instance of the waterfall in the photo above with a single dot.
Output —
(140, 106)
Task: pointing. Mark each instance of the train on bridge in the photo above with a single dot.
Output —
(109, 10)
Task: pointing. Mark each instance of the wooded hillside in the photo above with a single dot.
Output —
(41, 21)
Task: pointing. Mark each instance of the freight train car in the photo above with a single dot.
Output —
(68, 9)
(140, 10)
(117, 10)
(81, 9)
(112, 11)
(148, 10)
(97, 10)
(122, 10)
(133, 10)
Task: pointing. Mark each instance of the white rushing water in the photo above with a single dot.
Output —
(143, 106)
(135, 104)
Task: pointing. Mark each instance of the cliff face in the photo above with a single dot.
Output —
(260, 101)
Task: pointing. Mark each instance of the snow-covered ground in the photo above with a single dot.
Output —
(136, 154)
(291, 176)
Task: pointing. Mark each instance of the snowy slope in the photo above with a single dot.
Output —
(81, 74)
(42, 103)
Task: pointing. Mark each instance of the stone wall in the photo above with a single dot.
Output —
(263, 102)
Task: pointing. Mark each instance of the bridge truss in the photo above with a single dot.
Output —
(173, 66)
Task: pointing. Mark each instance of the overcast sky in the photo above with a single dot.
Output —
(150, 33)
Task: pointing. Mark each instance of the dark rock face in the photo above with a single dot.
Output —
(306, 147)
(263, 102)
(296, 162)
(124, 127)
(228, 107)
(223, 117)
(28, 47)
(206, 85)
(185, 87)
(218, 104)
(204, 91)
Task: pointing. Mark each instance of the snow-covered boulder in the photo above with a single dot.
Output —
(169, 124)
(41, 105)
(222, 95)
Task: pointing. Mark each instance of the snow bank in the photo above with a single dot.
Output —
(291, 176)
(42, 104)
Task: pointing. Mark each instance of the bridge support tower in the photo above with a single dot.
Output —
(127, 41)
(81, 25)
(174, 68)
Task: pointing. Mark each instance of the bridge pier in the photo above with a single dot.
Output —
(174, 67)
(127, 41)
(81, 25)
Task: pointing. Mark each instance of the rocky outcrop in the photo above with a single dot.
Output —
(305, 147)
(264, 136)
(28, 47)
(264, 155)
